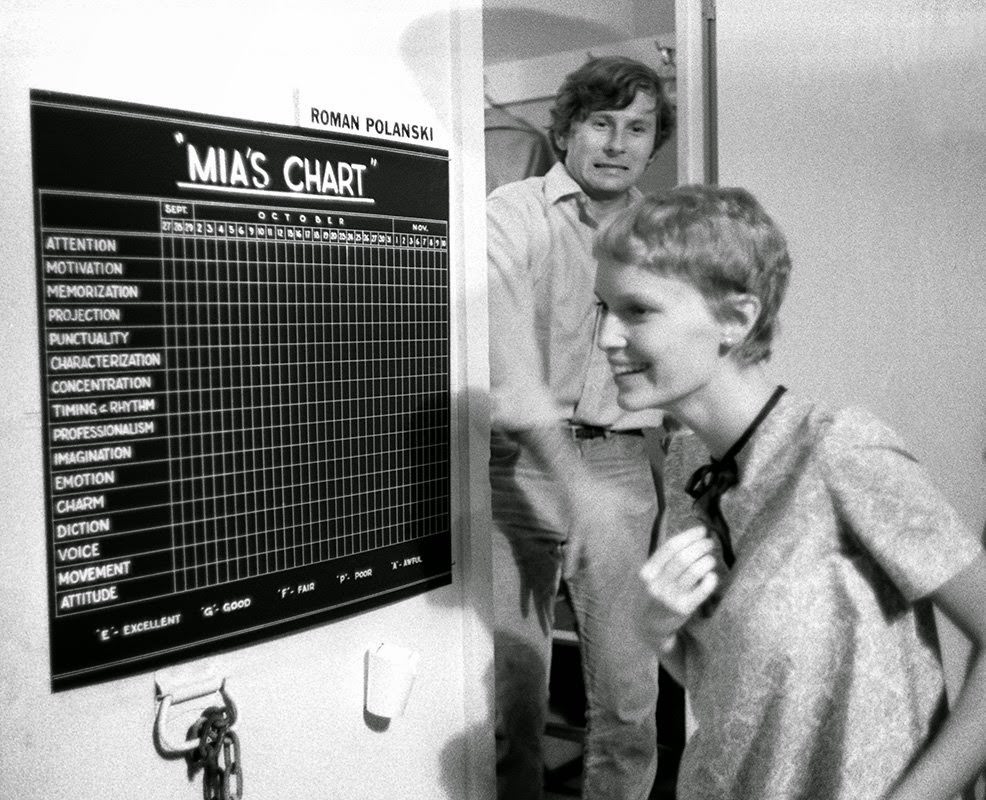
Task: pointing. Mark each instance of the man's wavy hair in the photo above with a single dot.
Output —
(604, 84)
(718, 239)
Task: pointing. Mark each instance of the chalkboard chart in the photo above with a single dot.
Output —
(245, 378)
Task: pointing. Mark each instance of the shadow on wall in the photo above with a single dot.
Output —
(511, 30)
(508, 33)
(452, 760)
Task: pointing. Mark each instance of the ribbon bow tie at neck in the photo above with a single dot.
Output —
(717, 477)
(706, 487)
(708, 483)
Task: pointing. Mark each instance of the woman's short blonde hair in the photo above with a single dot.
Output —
(718, 239)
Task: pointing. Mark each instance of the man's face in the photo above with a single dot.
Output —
(608, 151)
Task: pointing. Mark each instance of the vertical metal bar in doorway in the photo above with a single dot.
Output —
(709, 95)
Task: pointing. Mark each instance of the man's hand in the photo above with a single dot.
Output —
(678, 578)
(573, 552)
(594, 506)
(538, 564)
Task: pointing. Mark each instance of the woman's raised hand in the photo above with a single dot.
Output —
(678, 578)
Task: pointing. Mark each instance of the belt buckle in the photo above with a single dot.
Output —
(581, 433)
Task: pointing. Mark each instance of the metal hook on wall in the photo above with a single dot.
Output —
(172, 692)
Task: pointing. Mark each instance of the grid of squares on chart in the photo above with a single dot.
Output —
(308, 397)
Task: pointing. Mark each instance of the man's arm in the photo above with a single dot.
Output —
(589, 505)
(522, 404)
(517, 237)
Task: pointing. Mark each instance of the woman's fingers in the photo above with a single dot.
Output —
(682, 574)
(672, 546)
(704, 590)
(680, 558)
(695, 573)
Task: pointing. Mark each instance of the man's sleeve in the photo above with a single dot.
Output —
(516, 236)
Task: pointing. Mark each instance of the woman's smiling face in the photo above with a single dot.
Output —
(659, 335)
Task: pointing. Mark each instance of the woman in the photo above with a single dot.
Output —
(799, 614)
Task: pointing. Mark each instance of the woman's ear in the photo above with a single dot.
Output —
(738, 313)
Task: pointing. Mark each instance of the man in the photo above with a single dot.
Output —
(573, 493)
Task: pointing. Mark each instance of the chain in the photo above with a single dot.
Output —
(219, 754)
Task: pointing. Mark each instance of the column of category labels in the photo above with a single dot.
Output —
(104, 351)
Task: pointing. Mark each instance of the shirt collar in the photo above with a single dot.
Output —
(766, 448)
(774, 453)
(560, 185)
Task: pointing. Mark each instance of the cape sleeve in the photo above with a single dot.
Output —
(890, 506)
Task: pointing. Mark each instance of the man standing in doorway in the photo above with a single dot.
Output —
(573, 493)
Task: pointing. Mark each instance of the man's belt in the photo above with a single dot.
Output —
(580, 431)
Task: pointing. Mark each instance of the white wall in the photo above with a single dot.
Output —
(300, 696)
(862, 128)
